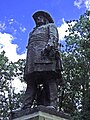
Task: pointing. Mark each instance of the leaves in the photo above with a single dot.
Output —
(9, 100)
(76, 62)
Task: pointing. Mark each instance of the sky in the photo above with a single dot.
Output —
(16, 21)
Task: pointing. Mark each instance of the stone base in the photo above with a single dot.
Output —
(39, 113)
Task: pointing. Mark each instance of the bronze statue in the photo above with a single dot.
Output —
(43, 63)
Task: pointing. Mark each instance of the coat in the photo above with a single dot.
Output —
(42, 43)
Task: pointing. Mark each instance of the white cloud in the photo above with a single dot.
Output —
(20, 86)
(62, 29)
(10, 49)
(78, 3)
(87, 3)
(82, 3)
(2, 26)
(23, 29)
(10, 30)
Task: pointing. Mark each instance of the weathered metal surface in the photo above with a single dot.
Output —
(43, 64)
(38, 41)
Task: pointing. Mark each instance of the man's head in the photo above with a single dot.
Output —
(41, 21)
(42, 18)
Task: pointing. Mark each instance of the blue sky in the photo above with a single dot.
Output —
(16, 21)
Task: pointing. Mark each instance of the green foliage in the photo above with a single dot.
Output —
(76, 62)
(9, 100)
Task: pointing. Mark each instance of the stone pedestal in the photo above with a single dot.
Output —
(39, 113)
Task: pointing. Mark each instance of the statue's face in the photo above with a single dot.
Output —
(42, 20)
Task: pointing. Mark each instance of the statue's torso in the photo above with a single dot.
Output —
(38, 40)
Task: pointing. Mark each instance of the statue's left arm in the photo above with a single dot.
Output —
(53, 35)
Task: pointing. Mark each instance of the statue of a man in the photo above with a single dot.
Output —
(43, 64)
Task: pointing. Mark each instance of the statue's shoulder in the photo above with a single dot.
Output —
(51, 25)
(32, 31)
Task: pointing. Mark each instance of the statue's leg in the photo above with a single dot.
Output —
(46, 97)
(53, 94)
(40, 95)
(51, 90)
(29, 95)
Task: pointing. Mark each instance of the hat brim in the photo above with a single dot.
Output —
(44, 14)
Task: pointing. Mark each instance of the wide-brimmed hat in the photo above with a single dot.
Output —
(44, 14)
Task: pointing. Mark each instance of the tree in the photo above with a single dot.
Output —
(76, 62)
(9, 100)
